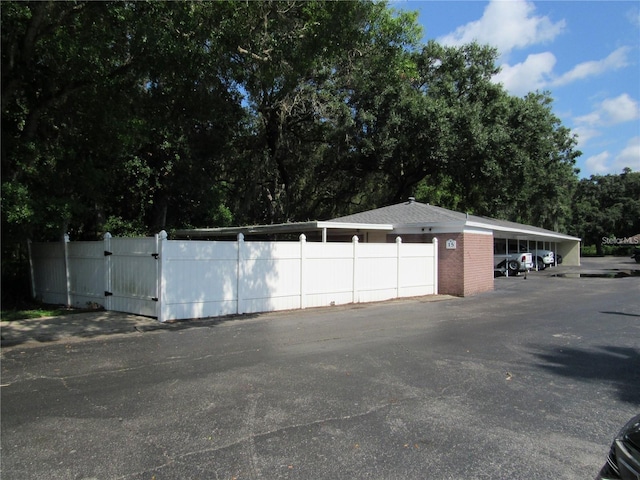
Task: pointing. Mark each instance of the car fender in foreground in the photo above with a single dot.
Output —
(623, 461)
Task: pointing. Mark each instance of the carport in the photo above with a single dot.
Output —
(514, 238)
(466, 242)
(314, 230)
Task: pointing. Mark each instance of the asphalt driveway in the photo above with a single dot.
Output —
(530, 381)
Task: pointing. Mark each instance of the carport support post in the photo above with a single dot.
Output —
(506, 265)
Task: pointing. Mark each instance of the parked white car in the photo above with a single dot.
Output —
(513, 263)
(542, 258)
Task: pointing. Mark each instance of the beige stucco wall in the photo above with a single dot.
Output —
(570, 252)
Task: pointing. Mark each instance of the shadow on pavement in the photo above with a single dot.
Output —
(619, 366)
(82, 326)
(622, 313)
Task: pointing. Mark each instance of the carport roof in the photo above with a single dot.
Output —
(291, 227)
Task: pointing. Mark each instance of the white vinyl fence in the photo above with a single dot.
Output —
(176, 279)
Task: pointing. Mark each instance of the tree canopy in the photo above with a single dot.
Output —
(607, 207)
(132, 117)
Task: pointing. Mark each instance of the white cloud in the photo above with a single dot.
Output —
(506, 25)
(617, 59)
(629, 156)
(598, 164)
(609, 113)
(585, 134)
(620, 109)
(634, 16)
(530, 75)
(604, 163)
(513, 24)
(612, 111)
(536, 72)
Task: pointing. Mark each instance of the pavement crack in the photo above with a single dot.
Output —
(247, 440)
(249, 425)
(94, 405)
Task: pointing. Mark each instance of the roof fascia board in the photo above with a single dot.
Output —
(352, 226)
(525, 231)
(478, 231)
(479, 227)
(457, 225)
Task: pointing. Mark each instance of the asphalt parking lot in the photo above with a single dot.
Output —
(530, 381)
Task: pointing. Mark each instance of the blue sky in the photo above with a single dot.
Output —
(586, 53)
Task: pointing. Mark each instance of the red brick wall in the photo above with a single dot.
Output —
(478, 260)
(465, 270)
(451, 264)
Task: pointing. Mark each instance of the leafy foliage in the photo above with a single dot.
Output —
(139, 116)
(607, 206)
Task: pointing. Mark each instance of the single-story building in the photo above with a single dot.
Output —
(466, 242)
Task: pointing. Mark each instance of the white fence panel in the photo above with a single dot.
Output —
(376, 272)
(328, 278)
(134, 275)
(86, 273)
(199, 279)
(269, 276)
(48, 272)
(418, 270)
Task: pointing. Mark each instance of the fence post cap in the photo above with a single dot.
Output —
(163, 235)
(241, 237)
(355, 239)
(303, 237)
(107, 235)
(398, 239)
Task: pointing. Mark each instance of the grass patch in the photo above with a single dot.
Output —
(11, 315)
(38, 311)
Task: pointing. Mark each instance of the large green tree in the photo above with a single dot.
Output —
(114, 114)
(59, 62)
(184, 114)
(605, 207)
(301, 65)
(492, 153)
(138, 116)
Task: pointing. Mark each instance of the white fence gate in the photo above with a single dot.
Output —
(173, 279)
(132, 275)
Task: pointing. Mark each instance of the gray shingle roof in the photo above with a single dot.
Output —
(410, 212)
